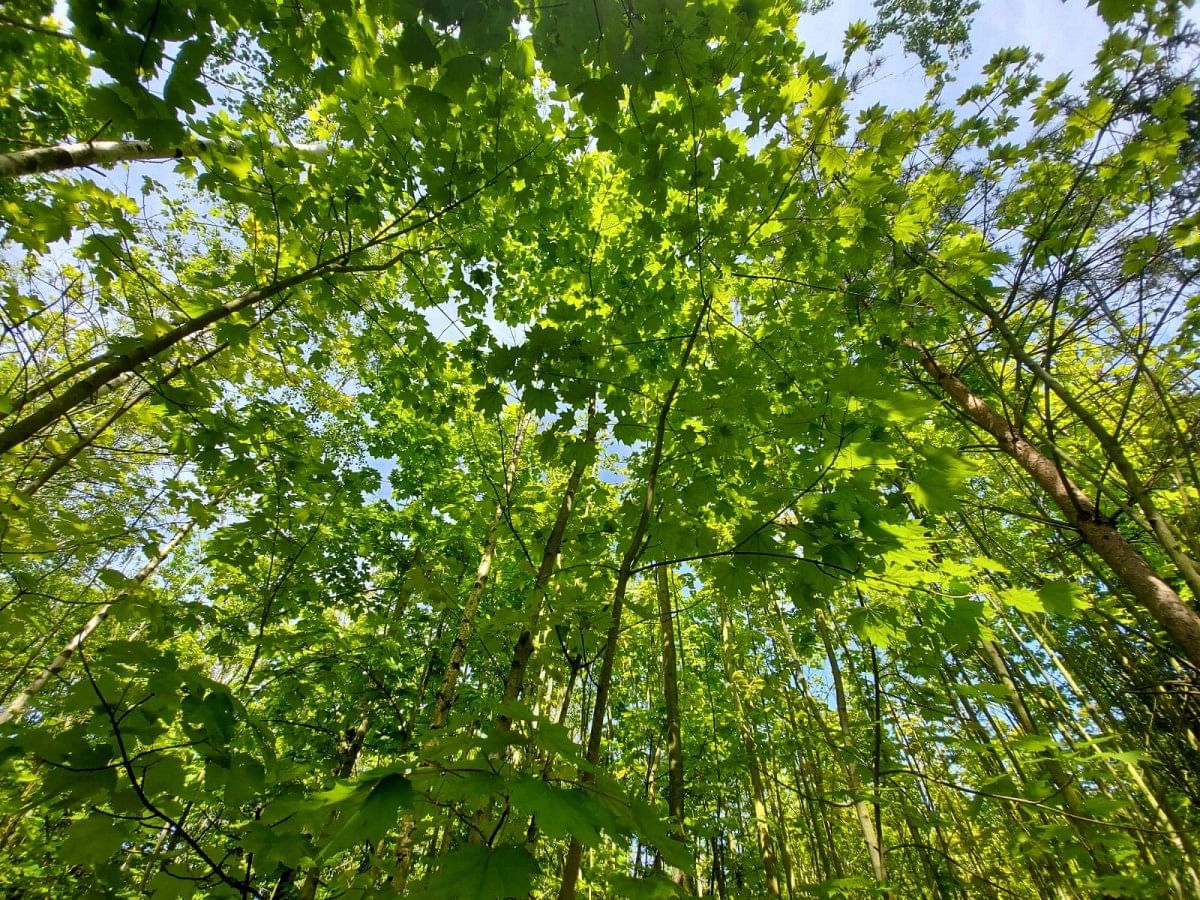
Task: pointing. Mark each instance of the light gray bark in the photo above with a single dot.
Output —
(40, 160)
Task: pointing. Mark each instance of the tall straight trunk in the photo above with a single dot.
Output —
(784, 842)
(877, 746)
(862, 809)
(815, 716)
(808, 778)
(570, 874)
(408, 822)
(352, 745)
(447, 690)
(1145, 780)
(40, 160)
(718, 862)
(909, 745)
(762, 821)
(514, 682)
(1178, 620)
(670, 686)
(351, 749)
(466, 624)
(64, 656)
(576, 663)
(995, 660)
(1074, 729)
(1072, 799)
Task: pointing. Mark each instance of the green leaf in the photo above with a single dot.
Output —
(368, 820)
(1114, 12)
(1034, 743)
(652, 887)
(560, 812)
(1022, 599)
(522, 62)
(1060, 597)
(908, 225)
(601, 97)
(476, 872)
(115, 579)
(106, 103)
(652, 829)
(827, 93)
(458, 75)
(183, 88)
(416, 47)
(91, 841)
(490, 401)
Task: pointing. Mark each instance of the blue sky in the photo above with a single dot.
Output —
(1065, 33)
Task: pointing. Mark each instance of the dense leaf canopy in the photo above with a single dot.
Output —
(485, 448)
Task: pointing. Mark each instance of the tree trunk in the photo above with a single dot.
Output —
(1109, 444)
(762, 823)
(862, 809)
(112, 365)
(59, 663)
(514, 682)
(670, 683)
(1178, 620)
(349, 758)
(1072, 800)
(466, 624)
(633, 551)
(40, 160)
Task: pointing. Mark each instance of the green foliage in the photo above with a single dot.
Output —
(346, 439)
(481, 873)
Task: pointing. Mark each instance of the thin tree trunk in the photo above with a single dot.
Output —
(781, 825)
(112, 364)
(1072, 799)
(1180, 621)
(808, 777)
(514, 682)
(570, 874)
(447, 691)
(349, 758)
(62, 460)
(862, 809)
(1160, 805)
(408, 822)
(1108, 444)
(576, 663)
(59, 663)
(762, 823)
(670, 683)
(466, 625)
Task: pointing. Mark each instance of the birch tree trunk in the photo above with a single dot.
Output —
(514, 682)
(40, 160)
(466, 624)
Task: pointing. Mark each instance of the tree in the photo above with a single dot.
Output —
(490, 449)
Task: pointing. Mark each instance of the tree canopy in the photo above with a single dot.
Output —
(486, 448)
